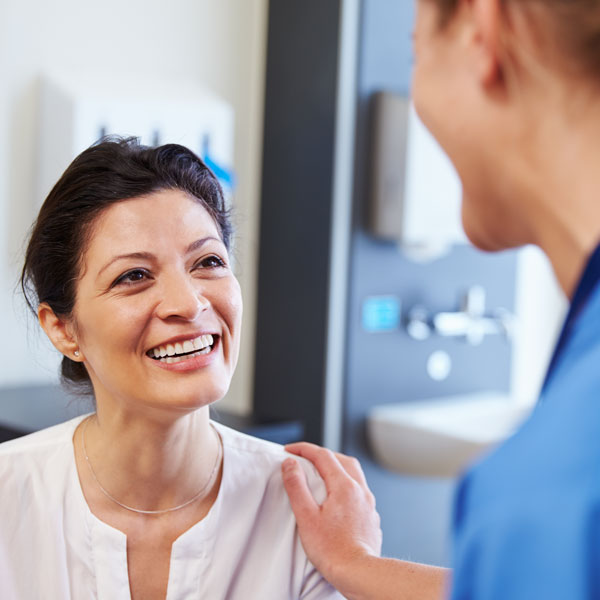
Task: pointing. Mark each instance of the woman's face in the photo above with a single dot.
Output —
(158, 310)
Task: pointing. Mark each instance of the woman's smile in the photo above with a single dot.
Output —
(183, 347)
(187, 355)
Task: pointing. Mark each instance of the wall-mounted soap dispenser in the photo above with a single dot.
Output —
(414, 191)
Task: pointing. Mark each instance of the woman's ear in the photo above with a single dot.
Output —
(60, 332)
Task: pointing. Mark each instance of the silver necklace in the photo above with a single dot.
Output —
(164, 510)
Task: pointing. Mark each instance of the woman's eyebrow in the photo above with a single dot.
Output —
(199, 243)
(149, 256)
(140, 255)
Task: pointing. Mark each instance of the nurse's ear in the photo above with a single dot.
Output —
(487, 20)
(60, 331)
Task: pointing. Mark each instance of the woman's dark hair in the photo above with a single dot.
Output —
(110, 171)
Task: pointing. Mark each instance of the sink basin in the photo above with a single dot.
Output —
(440, 437)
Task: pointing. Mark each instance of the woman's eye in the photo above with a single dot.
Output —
(131, 277)
(211, 262)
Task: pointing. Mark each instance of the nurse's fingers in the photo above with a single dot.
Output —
(328, 463)
(352, 467)
(301, 499)
(328, 466)
(346, 525)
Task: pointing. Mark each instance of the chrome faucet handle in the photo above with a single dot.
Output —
(507, 321)
(470, 323)
(418, 324)
(474, 301)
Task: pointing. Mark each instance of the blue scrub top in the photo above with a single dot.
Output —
(527, 518)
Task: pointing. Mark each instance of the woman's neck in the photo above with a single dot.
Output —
(150, 463)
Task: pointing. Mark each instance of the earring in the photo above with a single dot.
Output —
(76, 353)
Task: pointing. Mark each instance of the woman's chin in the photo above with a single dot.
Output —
(187, 400)
(189, 390)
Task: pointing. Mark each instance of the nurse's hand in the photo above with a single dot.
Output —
(343, 532)
(342, 536)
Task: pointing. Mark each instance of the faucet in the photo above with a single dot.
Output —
(470, 322)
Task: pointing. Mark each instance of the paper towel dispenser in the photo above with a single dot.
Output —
(415, 192)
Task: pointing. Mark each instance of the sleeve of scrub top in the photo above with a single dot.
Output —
(541, 546)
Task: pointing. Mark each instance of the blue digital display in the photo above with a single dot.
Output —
(381, 313)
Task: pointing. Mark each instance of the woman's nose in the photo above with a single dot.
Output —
(182, 298)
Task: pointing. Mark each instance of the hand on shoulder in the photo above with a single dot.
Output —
(345, 528)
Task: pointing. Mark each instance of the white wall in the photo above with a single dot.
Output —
(540, 306)
(218, 43)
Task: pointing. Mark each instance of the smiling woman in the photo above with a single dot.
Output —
(129, 273)
(155, 274)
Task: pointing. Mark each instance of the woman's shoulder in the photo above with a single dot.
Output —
(258, 531)
(242, 442)
(40, 439)
(36, 467)
(263, 459)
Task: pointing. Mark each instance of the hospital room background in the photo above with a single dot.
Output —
(371, 325)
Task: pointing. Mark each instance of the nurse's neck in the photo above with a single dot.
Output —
(560, 189)
(568, 230)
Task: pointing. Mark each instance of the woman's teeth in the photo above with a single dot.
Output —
(172, 353)
(174, 359)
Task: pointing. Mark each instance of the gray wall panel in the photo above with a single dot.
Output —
(302, 59)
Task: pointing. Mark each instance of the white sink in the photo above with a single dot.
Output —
(440, 437)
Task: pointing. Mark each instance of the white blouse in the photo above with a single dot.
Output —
(246, 548)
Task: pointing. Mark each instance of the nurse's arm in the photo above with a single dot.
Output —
(342, 536)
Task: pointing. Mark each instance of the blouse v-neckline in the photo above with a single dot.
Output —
(190, 552)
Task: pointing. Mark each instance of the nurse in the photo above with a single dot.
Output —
(511, 89)
(129, 271)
